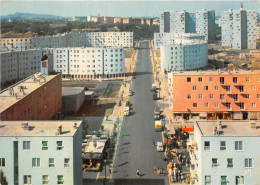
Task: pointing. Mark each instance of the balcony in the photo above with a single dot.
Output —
(223, 100)
(228, 92)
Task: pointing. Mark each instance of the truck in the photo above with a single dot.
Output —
(127, 109)
(153, 88)
(156, 113)
(158, 125)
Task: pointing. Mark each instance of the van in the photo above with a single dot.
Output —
(159, 147)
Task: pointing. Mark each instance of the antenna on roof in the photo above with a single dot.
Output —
(241, 6)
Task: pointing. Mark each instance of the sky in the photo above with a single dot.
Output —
(134, 8)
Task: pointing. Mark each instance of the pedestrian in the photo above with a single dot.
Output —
(155, 169)
(164, 158)
(163, 172)
(138, 173)
(158, 170)
(153, 143)
(172, 178)
(177, 176)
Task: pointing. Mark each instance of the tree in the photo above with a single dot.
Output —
(3, 180)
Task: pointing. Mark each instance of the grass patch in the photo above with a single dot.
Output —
(128, 53)
(157, 53)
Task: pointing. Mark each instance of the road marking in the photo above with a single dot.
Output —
(98, 175)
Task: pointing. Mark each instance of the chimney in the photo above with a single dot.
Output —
(25, 126)
(219, 125)
(60, 130)
(252, 124)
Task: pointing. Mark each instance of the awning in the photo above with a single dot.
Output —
(203, 114)
(189, 129)
(95, 156)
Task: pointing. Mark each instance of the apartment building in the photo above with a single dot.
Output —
(17, 65)
(161, 39)
(201, 22)
(41, 152)
(110, 39)
(239, 28)
(37, 97)
(90, 62)
(60, 40)
(225, 152)
(216, 94)
(184, 55)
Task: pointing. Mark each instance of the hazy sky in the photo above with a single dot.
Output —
(118, 8)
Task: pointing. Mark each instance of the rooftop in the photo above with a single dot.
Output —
(229, 128)
(216, 72)
(38, 128)
(18, 91)
(67, 91)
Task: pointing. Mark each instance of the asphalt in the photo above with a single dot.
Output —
(136, 150)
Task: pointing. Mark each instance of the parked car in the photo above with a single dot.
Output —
(130, 93)
(159, 146)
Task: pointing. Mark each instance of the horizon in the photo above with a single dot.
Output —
(127, 8)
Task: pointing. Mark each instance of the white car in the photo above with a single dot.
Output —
(159, 146)
(130, 93)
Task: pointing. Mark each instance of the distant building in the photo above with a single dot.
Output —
(161, 39)
(215, 94)
(239, 28)
(225, 152)
(37, 97)
(110, 39)
(90, 62)
(41, 152)
(201, 22)
(184, 55)
(72, 99)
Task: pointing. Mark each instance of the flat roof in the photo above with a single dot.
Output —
(13, 94)
(229, 128)
(215, 72)
(66, 91)
(38, 128)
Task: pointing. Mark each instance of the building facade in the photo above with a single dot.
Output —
(161, 39)
(37, 97)
(216, 95)
(72, 99)
(41, 152)
(239, 28)
(201, 22)
(110, 39)
(184, 55)
(90, 62)
(224, 152)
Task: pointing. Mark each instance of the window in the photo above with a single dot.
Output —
(216, 104)
(211, 96)
(194, 88)
(206, 145)
(214, 162)
(247, 96)
(241, 88)
(223, 180)
(211, 79)
(253, 87)
(27, 145)
(247, 79)
(222, 96)
(238, 145)
(206, 88)
(239, 180)
(60, 179)
(188, 96)
(235, 80)
(36, 162)
(45, 179)
(200, 79)
(253, 105)
(66, 162)
(258, 96)
(2, 162)
(216, 88)
(222, 80)
(229, 162)
(27, 179)
(188, 79)
(44, 145)
(59, 145)
(242, 106)
(200, 96)
(222, 145)
(51, 162)
(195, 105)
(207, 180)
(249, 163)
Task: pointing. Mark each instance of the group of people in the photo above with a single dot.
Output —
(159, 171)
(176, 172)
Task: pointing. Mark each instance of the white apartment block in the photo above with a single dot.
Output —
(239, 28)
(110, 39)
(41, 152)
(161, 39)
(59, 40)
(201, 22)
(16, 65)
(89, 62)
(184, 55)
(225, 152)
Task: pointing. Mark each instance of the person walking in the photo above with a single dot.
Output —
(138, 173)
(153, 143)
(164, 158)
(155, 169)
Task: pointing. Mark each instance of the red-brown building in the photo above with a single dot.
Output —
(37, 97)
(216, 94)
